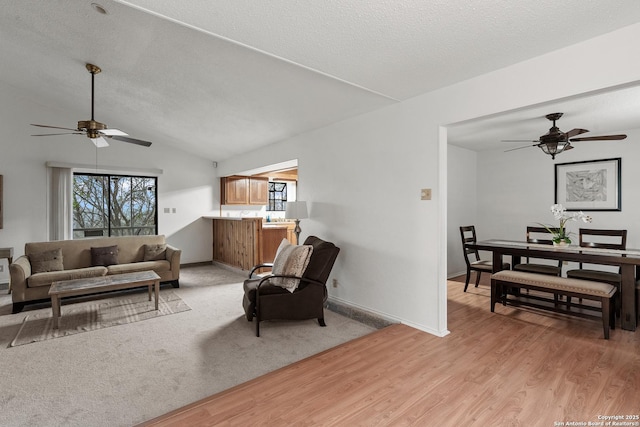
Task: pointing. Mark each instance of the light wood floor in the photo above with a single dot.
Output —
(515, 367)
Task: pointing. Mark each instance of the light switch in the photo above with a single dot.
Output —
(425, 194)
(167, 210)
(173, 210)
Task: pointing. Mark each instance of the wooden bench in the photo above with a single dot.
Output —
(506, 285)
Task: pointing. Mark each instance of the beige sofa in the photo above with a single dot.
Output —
(134, 253)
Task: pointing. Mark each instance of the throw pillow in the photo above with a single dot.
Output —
(105, 256)
(155, 252)
(291, 260)
(42, 262)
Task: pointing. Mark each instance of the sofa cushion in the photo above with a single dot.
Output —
(157, 266)
(155, 252)
(267, 288)
(106, 255)
(291, 260)
(45, 279)
(42, 262)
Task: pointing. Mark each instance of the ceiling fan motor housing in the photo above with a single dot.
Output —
(91, 127)
(555, 135)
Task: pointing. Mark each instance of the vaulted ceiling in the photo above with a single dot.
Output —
(219, 78)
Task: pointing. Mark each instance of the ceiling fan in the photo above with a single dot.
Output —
(96, 131)
(555, 141)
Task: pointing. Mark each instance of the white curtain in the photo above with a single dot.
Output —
(61, 213)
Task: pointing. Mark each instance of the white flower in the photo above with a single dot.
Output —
(584, 218)
(560, 214)
(558, 211)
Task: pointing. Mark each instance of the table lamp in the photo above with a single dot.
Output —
(296, 210)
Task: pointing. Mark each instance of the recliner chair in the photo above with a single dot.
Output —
(266, 301)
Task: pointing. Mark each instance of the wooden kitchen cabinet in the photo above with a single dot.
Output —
(244, 190)
(235, 190)
(258, 191)
(291, 235)
(271, 239)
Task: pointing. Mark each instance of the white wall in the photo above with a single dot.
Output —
(529, 178)
(350, 176)
(187, 183)
(516, 189)
(462, 205)
(362, 177)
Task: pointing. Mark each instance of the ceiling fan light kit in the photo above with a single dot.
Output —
(553, 148)
(97, 132)
(555, 141)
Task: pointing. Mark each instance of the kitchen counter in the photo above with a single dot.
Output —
(238, 218)
(237, 241)
(244, 242)
(279, 224)
(231, 218)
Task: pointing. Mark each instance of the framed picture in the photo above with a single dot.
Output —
(589, 186)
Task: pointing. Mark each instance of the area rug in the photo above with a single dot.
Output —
(93, 315)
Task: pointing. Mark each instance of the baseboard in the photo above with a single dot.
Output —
(231, 268)
(196, 264)
(454, 275)
(217, 264)
(356, 313)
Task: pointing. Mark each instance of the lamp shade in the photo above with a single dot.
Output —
(296, 210)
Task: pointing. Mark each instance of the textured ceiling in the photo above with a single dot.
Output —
(611, 112)
(219, 78)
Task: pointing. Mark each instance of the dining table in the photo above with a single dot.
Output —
(628, 260)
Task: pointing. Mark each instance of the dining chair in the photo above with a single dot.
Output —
(540, 236)
(603, 239)
(468, 236)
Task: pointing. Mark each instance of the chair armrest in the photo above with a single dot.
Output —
(20, 271)
(22, 266)
(173, 256)
(271, 276)
(256, 267)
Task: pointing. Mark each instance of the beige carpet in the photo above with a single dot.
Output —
(88, 316)
(124, 375)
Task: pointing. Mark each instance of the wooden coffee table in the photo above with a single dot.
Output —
(93, 285)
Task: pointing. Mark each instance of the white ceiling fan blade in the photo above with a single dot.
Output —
(99, 142)
(112, 132)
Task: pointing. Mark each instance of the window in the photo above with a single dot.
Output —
(114, 205)
(277, 196)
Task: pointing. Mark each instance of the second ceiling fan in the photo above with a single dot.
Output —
(97, 132)
(555, 141)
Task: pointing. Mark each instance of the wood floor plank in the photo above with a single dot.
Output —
(514, 367)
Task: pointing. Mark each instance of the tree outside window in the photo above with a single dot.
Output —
(277, 196)
(114, 205)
